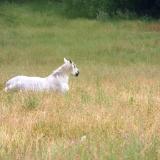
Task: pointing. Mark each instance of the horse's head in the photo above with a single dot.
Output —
(72, 67)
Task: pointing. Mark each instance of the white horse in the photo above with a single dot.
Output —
(57, 81)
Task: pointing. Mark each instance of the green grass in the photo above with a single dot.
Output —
(114, 102)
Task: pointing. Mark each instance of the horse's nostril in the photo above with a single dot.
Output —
(77, 73)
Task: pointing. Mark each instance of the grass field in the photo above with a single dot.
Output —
(112, 110)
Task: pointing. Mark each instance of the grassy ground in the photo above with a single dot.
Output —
(112, 109)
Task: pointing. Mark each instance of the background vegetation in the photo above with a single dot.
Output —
(112, 109)
(94, 8)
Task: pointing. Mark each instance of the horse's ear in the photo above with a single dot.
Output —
(70, 61)
(65, 60)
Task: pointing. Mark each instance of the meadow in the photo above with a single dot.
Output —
(112, 109)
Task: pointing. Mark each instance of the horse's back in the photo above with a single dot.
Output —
(23, 82)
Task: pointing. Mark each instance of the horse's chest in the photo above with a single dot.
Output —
(64, 87)
(59, 85)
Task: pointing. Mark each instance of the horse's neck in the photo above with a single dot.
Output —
(60, 74)
(60, 69)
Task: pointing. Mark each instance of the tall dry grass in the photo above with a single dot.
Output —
(118, 114)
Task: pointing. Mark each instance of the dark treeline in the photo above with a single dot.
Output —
(91, 8)
(94, 8)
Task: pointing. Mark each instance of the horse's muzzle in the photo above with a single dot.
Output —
(77, 74)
